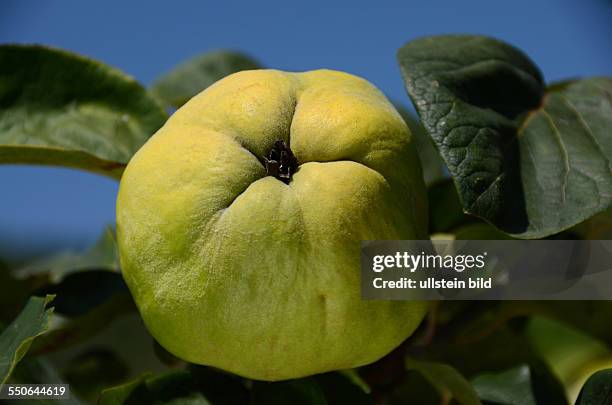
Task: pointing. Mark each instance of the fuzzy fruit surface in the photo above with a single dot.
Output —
(260, 276)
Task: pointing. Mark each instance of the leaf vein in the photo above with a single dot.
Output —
(588, 129)
(566, 162)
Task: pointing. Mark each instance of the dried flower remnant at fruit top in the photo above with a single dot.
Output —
(281, 162)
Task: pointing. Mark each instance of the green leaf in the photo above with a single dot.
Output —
(123, 393)
(58, 108)
(521, 385)
(447, 217)
(446, 380)
(16, 339)
(304, 391)
(434, 169)
(597, 390)
(533, 161)
(509, 387)
(191, 77)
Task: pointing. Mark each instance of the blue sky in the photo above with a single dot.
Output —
(51, 208)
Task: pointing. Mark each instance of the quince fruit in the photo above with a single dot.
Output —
(239, 224)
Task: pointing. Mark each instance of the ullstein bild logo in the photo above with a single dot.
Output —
(494, 270)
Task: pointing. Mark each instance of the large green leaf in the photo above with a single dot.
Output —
(597, 390)
(59, 108)
(446, 380)
(531, 160)
(176, 87)
(16, 339)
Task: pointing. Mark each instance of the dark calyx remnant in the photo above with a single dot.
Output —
(281, 162)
